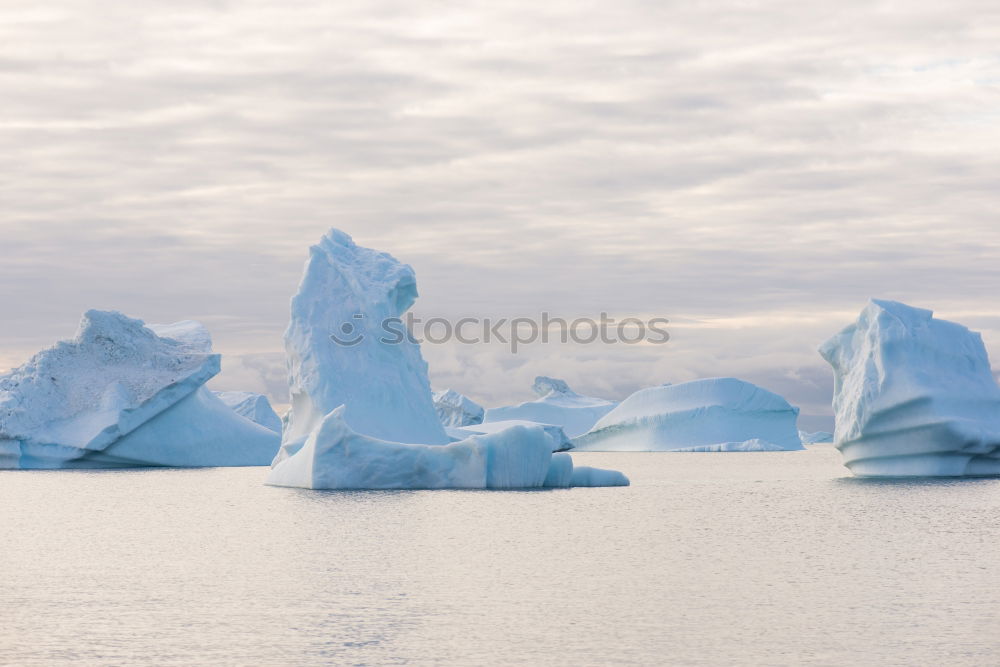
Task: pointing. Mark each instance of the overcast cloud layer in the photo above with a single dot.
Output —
(752, 171)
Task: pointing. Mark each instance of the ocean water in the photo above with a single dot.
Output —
(707, 559)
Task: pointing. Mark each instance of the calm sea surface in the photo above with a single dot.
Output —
(707, 559)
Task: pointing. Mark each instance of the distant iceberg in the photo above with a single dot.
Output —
(819, 437)
(122, 394)
(560, 441)
(914, 395)
(334, 456)
(347, 346)
(254, 407)
(557, 404)
(754, 445)
(720, 414)
(455, 410)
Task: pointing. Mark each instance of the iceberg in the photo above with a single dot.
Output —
(718, 414)
(455, 410)
(557, 404)
(587, 476)
(346, 345)
(560, 442)
(754, 445)
(335, 456)
(914, 396)
(190, 333)
(363, 415)
(120, 394)
(819, 437)
(254, 407)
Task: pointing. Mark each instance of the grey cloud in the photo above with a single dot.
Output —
(677, 159)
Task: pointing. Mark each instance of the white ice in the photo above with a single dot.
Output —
(363, 415)
(120, 395)
(560, 442)
(754, 445)
(818, 437)
(254, 407)
(357, 295)
(718, 414)
(557, 404)
(914, 395)
(455, 410)
(335, 456)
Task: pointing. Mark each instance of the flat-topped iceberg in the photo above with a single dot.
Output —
(254, 407)
(913, 395)
(719, 414)
(560, 442)
(120, 395)
(346, 345)
(557, 404)
(455, 410)
(335, 456)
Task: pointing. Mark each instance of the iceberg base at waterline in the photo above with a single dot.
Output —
(709, 415)
(124, 394)
(752, 445)
(914, 395)
(334, 456)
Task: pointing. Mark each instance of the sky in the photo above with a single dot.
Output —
(752, 171)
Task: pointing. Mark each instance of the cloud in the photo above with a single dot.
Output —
(719, 163)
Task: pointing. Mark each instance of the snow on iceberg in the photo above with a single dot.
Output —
(254, 407)
(347, 346)
(455, 410)
(819, 437)
(719, 414)
(190, 333)
(557, 404)
(335, 456)
(913, 395)
(560, 442)
(120, 395)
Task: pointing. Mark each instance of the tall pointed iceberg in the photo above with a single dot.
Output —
(362, 413)
(347, 345)
(913, 395)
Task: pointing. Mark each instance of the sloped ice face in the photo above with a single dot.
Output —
(254, 407)
(75, 403)
(718, 414)
(335, 456)
(349, 292)
(913, 395)
(455, 410)
(557, 404)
